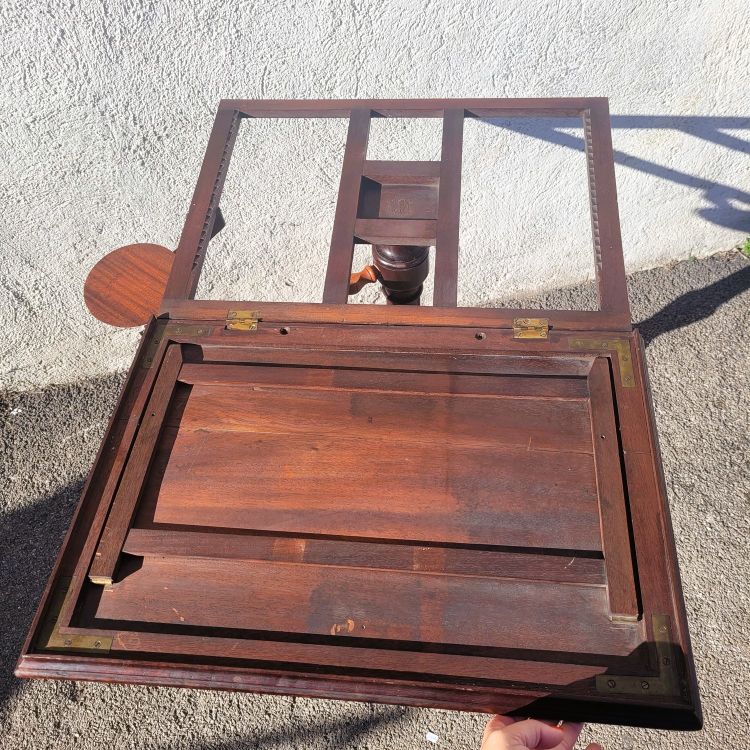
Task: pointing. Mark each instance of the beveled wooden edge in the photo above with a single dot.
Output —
(403, 315)
(665, 714)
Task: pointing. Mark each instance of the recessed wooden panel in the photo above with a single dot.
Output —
(456, 468)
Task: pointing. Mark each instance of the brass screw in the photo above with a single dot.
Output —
(68, 642)
(611, 683)
(665, 661)
(645, 685)
(97, 644)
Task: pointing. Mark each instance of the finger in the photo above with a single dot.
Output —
(534, 734)
(570, 731)
(594, 746)
(496, 722)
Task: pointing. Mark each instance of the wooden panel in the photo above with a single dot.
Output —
(482, 471)
(158, 542)
(423, 420)
(352, 603)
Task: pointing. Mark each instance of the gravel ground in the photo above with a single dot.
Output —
(695, 317)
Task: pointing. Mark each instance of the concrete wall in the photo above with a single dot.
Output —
(106, 109)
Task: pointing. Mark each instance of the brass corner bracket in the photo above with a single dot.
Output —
(667, 682)
(50, 638)
(620, 346)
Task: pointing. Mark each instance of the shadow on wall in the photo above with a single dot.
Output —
(729, 206)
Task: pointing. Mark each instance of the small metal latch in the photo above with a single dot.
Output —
(530, 328)
(242, 320)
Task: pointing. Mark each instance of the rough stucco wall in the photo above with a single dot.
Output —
(106, 108)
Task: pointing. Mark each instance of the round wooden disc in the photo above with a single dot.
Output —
(126, 286)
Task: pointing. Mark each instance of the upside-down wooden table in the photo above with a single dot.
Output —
(435, 506)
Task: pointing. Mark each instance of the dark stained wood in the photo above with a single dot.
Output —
(201, 217)
(400, 382)
(375, 315)
(623, 600)
(336, 289)
(446, 246)
(410, 107)
(123, 507)
(608, 258)
(126, 286)
(400, 504)
(350, 603)
(395, 231)
(567, 568)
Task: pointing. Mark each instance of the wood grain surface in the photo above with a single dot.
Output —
(125, 288)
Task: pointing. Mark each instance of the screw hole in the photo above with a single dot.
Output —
(480, 335)
(284, 330)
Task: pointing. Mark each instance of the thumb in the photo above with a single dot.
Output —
(533, 734)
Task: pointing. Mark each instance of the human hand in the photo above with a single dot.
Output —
(505, 733)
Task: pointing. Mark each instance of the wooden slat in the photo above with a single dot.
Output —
(415, 383)
(395, 315)
(339, 267)
(425, 420)
(155, 542)
(351, 603)
(402, 172)
(123, 506)
(449, 210)
(368, 488)
(609, 262)
(353, 657)
(396, 231)
(486, 364)
(201, 216)
(616, 537)
(409, 107)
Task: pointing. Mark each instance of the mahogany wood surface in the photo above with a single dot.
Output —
(126, 286)
(401, 504)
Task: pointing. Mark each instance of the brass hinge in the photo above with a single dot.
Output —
(667, 682)
(50, 638)
(242, 320)
(530, 328)
(624, 357)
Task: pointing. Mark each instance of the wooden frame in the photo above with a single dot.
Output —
(613, 643)
(594, 113)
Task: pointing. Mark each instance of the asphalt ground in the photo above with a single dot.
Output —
(695, 317)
